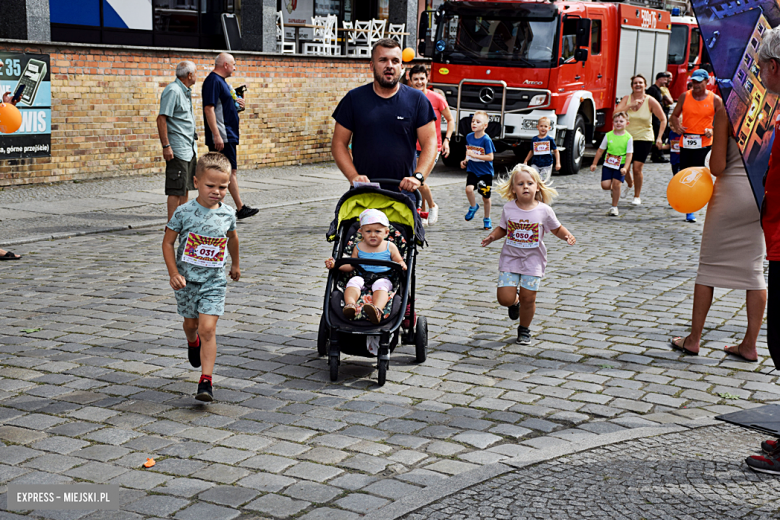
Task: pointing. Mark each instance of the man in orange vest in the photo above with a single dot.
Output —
(697, 107)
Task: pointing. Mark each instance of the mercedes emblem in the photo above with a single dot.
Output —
(486, 95)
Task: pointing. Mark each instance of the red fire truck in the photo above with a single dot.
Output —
(520, 60)
(686, 52)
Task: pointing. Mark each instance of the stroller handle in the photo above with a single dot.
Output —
(396, 182)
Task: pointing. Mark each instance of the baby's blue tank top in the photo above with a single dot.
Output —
(382, 255)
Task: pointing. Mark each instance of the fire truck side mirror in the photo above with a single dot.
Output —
(583, 33)
(581, 55)
(422, 34)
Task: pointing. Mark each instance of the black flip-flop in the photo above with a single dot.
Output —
(737, 354)
(682, 348)
(10, 256)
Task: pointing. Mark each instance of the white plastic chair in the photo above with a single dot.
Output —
(377, 32)
(281, 45)
(361, 47)
(324, 43)
(394, 30)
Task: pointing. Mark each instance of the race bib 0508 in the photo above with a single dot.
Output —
(204, 251)
(613, 161)
(522, 234)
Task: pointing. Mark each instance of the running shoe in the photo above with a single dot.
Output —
(246, 211)
(472, 211)
(523, 335)
(637, 201)
(433, 215)
(514, 311)
(205, 392)
(626, 190)
(769, 463)
(690, 217)
(487, 224)
(424, 222)
(613, 212)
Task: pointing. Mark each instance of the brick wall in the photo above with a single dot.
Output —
(105, 102)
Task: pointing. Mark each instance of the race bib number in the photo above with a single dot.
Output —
(676, 146)
(478, 150)
(612, 161)
(542, 148)
(522, 234)
(692, 142)
(204, 251)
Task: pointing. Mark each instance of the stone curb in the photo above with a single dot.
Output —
(479, 475)
(151, 224)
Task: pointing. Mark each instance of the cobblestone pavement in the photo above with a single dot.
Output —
(94, 377)
(676, 476)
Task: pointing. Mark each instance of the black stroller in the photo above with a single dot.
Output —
(337, 334)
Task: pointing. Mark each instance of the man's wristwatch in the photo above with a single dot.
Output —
(420, 177)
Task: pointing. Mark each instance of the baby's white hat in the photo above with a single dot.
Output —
(373, 216)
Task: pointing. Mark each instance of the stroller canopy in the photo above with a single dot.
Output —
(399, 208)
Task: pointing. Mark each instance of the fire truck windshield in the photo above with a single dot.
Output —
(512, 37)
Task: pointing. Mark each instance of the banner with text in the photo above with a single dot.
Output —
(29, 77)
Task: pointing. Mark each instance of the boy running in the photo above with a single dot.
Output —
(542, 151)
(205, 227)
(619, 146)
(479, 165)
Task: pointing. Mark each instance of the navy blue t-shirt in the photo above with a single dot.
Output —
(483, 146)
(217, 93)
(384, 131)
(540, 158)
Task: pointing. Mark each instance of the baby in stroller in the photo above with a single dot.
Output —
(374, 228)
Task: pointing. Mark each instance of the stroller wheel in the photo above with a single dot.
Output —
(421, 339)
(334, 368)
(382, 370)
(322, 338)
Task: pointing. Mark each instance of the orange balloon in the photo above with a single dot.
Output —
(10, 118)
(690, 190)
(408, 54)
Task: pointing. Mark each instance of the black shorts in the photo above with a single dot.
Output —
(473, 180)
(228, 151)
(178, 176)
(690, 158)
(641, 150)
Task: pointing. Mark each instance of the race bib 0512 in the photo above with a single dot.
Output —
(204, 251)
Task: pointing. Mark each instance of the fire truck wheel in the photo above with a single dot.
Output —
(574, 142)
(457, 152)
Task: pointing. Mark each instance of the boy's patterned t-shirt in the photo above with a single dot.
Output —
(202, 240)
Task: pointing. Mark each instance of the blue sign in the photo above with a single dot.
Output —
(29, 75)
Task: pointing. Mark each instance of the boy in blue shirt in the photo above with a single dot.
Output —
(479, 165)
(205, 227)
(542, 151)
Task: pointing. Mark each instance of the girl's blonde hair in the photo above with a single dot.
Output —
(544, 194)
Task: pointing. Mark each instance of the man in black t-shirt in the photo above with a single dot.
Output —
(384, 120)
(655, 92)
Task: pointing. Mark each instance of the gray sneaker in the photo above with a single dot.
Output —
(523, 335)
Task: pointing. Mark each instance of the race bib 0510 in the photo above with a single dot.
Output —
(542, 148)
(522, 234)
(204, 251)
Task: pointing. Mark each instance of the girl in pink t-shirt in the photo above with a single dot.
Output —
(524, 221)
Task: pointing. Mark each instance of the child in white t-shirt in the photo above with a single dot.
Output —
(524, 221)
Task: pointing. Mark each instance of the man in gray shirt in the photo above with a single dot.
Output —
(176, 126)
